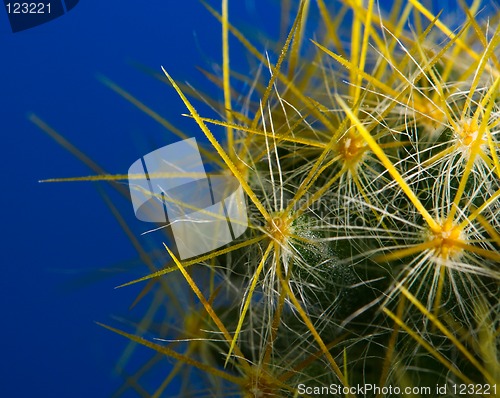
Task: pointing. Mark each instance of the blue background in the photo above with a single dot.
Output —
(62, 252)
(57, 236)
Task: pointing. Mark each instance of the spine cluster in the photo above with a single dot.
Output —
(368, 149)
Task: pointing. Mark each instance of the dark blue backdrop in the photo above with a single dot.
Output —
(53, 234)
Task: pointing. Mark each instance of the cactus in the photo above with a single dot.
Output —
(367, 148)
